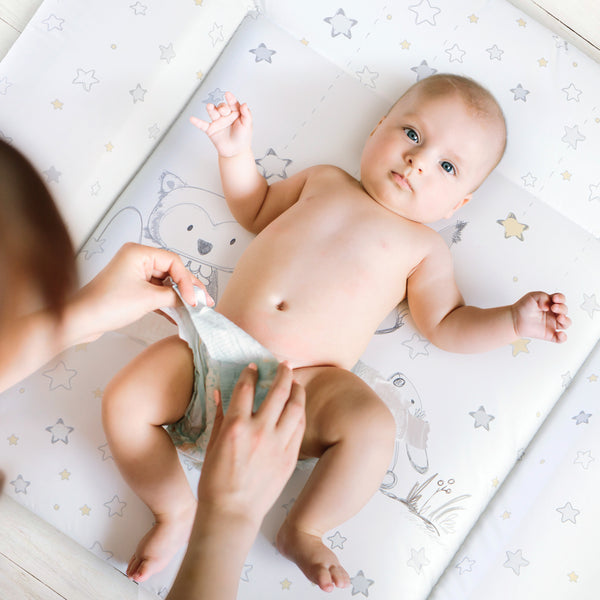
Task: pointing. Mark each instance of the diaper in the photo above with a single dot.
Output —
(221, 351)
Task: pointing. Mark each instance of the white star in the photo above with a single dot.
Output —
(54, 22)
(154, 131)
(340, 24)
(482, 419)
(115, 506)
(245, 576)
(367, 77)
(337, 540)
(582, 417)
(105, 449)
(594, 192)
(515, 561)
(529, 180)
(86, 79)
(60, 376)
(425, 12)
(52, 175)
(60, 432)
(568, 513)
(95, 189)
(520, 93)
(590, 305)
(465, 565)
(572, 93)
(138, 94)
(584, 459)
(216, 97)
(417, 560)
(423, 70)
(20, 485)
(139, 8)
(4, 85)
(572, 136)
(94, 246)
(566, 379)
(360, 584)
(216, 34)
(495, 52)
(455, 53)
(273, 166)
(261, 52)
(416, 346)
(167, 53)
(99, 551)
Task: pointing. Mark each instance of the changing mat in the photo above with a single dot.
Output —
(318, 77)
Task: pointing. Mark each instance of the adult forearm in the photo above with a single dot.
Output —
(244, 187)
(215, 557)
(469, 329)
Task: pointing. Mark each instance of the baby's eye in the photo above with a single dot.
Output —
(411, 134)
(448, 167)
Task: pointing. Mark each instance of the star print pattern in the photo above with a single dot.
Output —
(457, 52)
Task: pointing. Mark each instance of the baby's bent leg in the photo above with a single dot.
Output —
(153, 390)
(352, 431)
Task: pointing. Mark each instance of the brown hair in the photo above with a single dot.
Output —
(36, 252)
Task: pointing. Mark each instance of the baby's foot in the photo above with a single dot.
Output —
(160, 544)
(313, 558)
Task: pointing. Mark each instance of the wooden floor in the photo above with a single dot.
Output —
(39, 563)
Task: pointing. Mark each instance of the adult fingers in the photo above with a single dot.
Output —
(218, 422)
(270, 410)
(242, 398)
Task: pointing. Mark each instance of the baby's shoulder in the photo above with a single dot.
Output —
(329, 172)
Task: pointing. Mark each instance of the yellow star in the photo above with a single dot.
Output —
(389, 17)
(593, 378)
(113, 46)
(97, 393)
(199, 75)
(304, 42)
(512, 227)
(542, 62)
(198, 2)
(566, 175)
(81, 347)
(573, 577)
(405, 45)
(58, 105)
(12, 440)
(109, 147)
(505, 515)
(520, 346)
(56, 507)
(85, 510)
(64, 474)
(473, 19)
(286, 584)
(495, 482)
(521, 23)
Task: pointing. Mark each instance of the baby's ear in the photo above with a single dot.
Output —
(459, 205)
(376, 126)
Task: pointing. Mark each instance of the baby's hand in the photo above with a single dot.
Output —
(230, 129)
(543, 316)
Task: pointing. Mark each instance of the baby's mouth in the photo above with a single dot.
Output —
(401, 181)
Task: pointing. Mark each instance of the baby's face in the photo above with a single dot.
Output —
(427, 156)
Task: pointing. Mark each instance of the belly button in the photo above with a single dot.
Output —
(282, 306)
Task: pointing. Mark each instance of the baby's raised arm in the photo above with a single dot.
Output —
(253, 202)
(440, 313)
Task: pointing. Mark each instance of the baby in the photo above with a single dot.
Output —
(332, 257)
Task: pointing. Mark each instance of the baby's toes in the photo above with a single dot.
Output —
(340, 577)
(323, 579)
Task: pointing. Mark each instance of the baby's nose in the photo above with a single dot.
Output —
(415, 164)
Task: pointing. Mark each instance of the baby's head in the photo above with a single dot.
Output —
(434, 148)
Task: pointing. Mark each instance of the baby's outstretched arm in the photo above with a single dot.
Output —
(253, 202)
(440, 313)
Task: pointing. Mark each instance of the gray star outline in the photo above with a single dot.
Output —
(273, 166)
(515, 561)
(482, 419)
(60, 432)
(261, 52)
(340, 24)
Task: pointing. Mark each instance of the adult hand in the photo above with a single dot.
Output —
(129, 287)
(251, 456)
(249, 459)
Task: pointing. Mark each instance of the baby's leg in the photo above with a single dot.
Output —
(152, 390)
(352, 432)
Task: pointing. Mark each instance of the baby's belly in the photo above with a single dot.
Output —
(298, 329)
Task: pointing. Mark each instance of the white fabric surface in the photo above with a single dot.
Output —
(311, 107)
